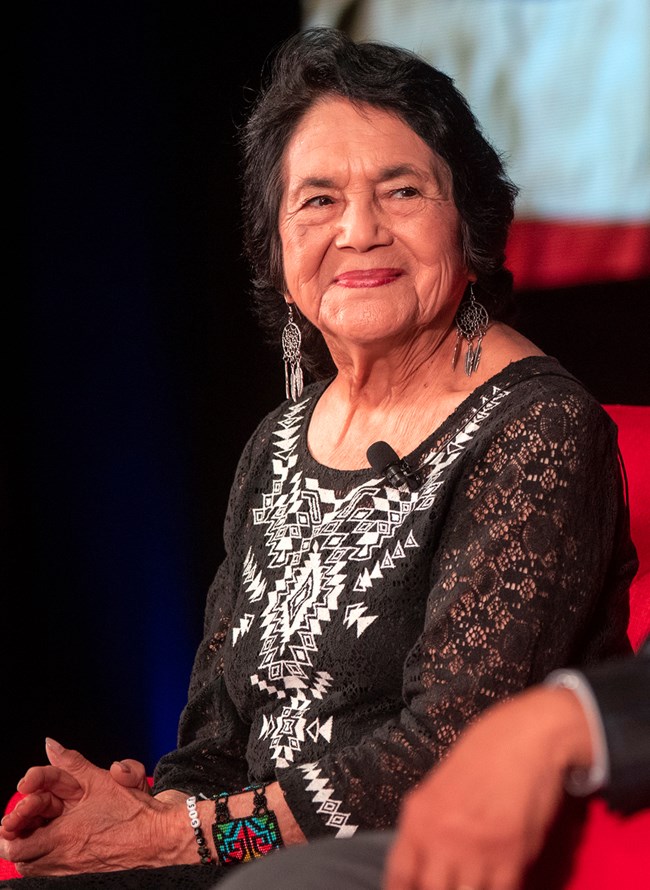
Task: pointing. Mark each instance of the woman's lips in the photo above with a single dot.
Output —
(367, 277)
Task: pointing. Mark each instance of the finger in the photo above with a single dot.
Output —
(24, 852)
(49, 778)
(32, 811)
(13, 829)
(37, 778)
(434, 873)
(507, 876)
(11, 835)
(90, 776)
(68, 760)
(130, 774)
(401, 866)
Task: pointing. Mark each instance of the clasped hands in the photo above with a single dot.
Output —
(76, 817)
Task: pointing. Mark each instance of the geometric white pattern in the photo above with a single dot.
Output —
(325, 553)
(286, 732)
(326, 804)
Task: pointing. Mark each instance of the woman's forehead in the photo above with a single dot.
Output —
(336, 136)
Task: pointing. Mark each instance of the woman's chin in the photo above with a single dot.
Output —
(365, 331)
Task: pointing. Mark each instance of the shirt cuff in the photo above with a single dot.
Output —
(581, 781)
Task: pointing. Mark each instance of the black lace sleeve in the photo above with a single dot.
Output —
(520, 576)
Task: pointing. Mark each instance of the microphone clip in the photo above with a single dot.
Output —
(385, 460)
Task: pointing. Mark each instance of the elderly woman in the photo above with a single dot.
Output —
(365, 614)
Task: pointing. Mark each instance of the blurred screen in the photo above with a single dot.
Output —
(561, 89)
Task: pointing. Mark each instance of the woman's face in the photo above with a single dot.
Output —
(370, 233)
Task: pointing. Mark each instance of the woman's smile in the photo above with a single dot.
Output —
(367, 277)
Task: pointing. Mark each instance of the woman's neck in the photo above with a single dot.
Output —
(402, 396)
(377, 378)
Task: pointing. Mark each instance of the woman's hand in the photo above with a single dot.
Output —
(81, 818)
(48, 788)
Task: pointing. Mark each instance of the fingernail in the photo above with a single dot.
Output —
(53, 745)
(123, 766)
(20, 784)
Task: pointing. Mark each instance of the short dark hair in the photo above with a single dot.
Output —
(320, 62)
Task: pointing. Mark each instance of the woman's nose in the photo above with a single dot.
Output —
(361, 226)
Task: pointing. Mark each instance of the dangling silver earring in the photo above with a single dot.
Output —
(291, 340)
(472, 322)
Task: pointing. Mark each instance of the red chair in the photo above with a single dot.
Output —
(613, 851)
(633, 423)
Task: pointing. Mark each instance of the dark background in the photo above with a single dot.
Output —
(138, 371)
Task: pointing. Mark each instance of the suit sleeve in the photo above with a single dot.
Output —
(621, 688)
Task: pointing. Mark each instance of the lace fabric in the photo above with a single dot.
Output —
(355, 629)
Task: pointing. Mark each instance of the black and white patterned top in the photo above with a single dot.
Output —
(355, 628)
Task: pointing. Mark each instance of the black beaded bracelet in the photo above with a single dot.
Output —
(203, 850)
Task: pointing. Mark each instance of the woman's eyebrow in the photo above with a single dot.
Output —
(311, 182)
(423, 175)
(398, 170)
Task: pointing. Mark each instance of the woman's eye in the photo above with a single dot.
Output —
(406, 191)
(318, 201)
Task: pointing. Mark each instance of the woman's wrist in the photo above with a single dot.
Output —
(203, 848)
(185, 834)
(176, 837)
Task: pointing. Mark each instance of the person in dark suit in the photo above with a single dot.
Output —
(481, 817)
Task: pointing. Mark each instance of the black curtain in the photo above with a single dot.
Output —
(137, 369)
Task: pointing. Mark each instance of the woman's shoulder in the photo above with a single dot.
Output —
(515, 372)
(539, 392)
(542, 377)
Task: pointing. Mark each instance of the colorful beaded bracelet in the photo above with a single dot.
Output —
(240, 840)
